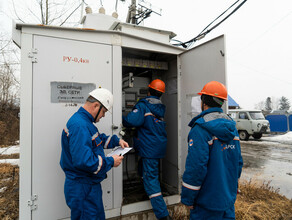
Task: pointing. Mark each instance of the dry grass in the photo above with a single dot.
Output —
(10, 156)
(9, 183)
(180, 212)
(9, 124)
(261, 201)
(256, 200)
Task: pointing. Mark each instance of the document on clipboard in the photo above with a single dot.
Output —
(119, 151)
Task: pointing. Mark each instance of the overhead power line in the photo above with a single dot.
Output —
(205, 31)
(82, 2)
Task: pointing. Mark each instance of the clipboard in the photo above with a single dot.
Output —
(119, 151)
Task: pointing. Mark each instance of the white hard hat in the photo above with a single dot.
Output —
(104, 96)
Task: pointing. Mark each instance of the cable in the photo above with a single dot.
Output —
(219, 16)
(177, 41)
(71, 14)
(201, 35)
(265, 32)
(255, 70)
(144, 15)
(204, 32)
(116, 7)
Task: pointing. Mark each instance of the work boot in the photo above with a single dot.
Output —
(166, 218)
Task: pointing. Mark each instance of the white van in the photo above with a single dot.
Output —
(250, 122)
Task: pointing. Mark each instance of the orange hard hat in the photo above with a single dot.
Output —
(158, 85)
(215, 89)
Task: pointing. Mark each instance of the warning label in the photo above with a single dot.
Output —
(70, 92)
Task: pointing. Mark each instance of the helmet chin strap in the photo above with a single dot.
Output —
(100, 107)
(218, 101)
(202, 107)
(203, 103)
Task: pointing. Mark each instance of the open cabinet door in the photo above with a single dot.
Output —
(197, 66)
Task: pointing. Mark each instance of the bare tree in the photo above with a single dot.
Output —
(9, 92)
(260, 105)
(47, 12)
(284, 103)
(273, 103)
(6, 84)
(9, 71)
(268, 104)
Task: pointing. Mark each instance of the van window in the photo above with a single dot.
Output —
(256, 115)
(243, 115)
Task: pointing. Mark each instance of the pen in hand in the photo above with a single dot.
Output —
(118, 158)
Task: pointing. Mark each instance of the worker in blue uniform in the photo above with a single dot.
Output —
(83, 159)
(150, 143)
(214, 163)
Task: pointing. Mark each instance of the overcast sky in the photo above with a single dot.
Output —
(258, 40)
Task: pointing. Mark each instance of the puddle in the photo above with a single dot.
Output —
(266, 161)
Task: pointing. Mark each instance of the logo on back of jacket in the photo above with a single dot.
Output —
(229, 146)
(225, 147)
(191, 142)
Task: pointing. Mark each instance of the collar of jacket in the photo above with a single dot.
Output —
(153, 100)
(209, 110)
(86, 114)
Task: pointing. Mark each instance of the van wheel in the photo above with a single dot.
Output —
(243, 135)
(257, 136)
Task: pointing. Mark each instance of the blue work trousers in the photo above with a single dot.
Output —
(150, 171)
(84, 200)
(199, 213)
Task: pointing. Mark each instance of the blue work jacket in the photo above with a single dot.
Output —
(82, 156)
(214, 162)
(147, 116)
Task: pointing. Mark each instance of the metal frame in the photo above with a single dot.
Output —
(25, 189)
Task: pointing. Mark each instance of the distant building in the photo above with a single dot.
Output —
(280, 120)
(279, 112)
(232, 104)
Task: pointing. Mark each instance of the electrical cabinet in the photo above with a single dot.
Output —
(61, 65)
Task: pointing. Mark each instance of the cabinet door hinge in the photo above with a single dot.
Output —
(32, 54)
(32, 202)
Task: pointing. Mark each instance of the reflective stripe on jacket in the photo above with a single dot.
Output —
(147, 116)
(213, 163)
(82, 156)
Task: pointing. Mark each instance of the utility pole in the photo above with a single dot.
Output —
(131, 17)
(136, 16)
